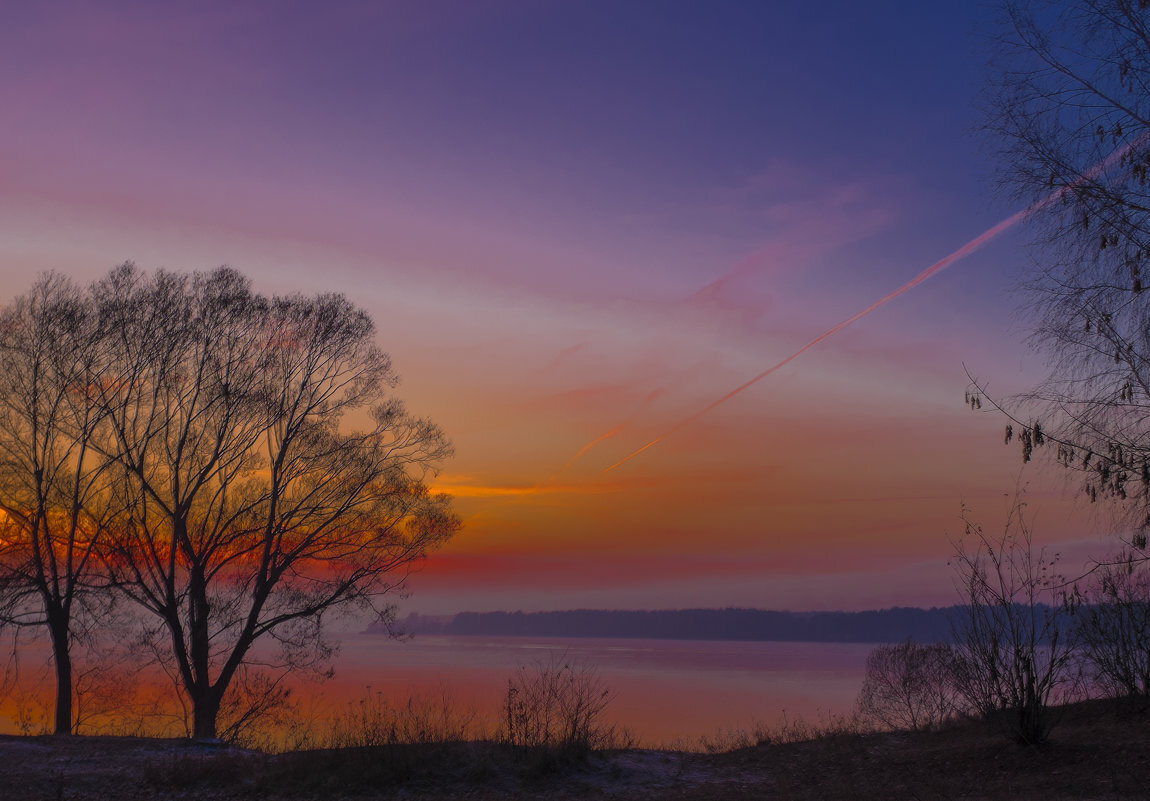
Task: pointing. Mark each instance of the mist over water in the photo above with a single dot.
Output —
(666, 692)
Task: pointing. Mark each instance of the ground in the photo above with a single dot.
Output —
(1097, 752)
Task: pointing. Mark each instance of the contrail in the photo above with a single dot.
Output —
(933, 270)
(929, 272)
(646, 401)
(590, 445)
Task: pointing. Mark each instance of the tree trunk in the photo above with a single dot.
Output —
(205, 697)
(62, 657)
(205, 710)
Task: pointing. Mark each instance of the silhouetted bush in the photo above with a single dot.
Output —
(557, 706)
(1014, 647)
(1114, 629)
(908, 686)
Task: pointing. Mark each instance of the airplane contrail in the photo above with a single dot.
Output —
(590, 445)
(926, 274)
(646, 401)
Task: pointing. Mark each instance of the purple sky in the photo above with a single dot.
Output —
(576, 218)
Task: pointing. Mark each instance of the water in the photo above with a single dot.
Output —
(666, 692)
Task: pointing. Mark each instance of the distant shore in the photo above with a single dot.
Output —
(878, 626)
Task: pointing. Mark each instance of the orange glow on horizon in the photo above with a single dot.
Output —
(465, 489)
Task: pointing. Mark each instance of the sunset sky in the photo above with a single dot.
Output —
(584, 221)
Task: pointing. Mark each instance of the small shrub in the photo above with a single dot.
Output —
(1114, 629)
(908, 686)
(557, 706)
(1015, 649)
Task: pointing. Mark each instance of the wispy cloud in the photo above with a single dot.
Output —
(804, 217)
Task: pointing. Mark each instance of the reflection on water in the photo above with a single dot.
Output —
(665, 690)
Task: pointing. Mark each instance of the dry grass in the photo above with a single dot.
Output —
(1098, 752)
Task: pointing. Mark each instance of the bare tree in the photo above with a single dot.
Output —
(1071, 112)
(909, 686)
(1014, 648)
(253, 509)
(54, 490)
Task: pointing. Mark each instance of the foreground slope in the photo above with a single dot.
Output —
(1096, 753)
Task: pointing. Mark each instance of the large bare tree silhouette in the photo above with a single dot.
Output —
(241, 469)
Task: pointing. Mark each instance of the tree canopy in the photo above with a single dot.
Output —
(236, 462)
(1070, 111)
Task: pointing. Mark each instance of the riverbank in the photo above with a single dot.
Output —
(1098, 751)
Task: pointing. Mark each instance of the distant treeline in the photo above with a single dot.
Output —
(884, 625)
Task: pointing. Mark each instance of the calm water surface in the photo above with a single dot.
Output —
(666, 691)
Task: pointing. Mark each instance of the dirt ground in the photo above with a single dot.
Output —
(1097, 752)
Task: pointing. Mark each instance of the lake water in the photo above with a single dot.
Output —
(665, 691)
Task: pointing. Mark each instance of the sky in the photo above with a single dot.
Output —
(581, 222)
